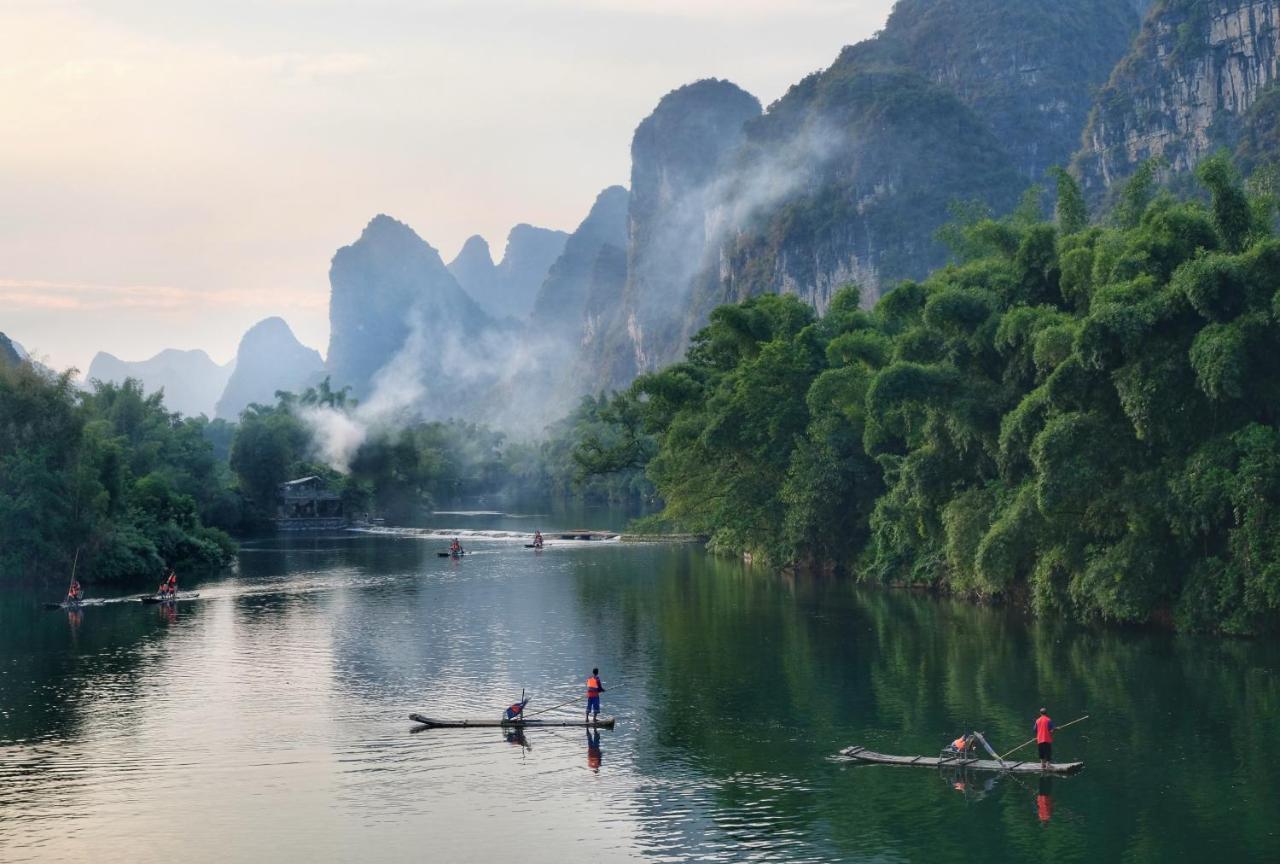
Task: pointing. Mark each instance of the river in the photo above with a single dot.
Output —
(268, 719)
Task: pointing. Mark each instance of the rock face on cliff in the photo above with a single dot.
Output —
(1198, 78)
(679, 155)
(388, 285)
(1027, 68)
(269, 358)
(191, 381)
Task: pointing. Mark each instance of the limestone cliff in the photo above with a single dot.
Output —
(849, 175)
(679, 156)
(1189, 86)
(1027, 68)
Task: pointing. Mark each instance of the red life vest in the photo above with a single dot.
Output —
(593, 687)
(1044, 730)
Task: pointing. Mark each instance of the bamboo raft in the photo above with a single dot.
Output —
(602, 723)
(862, 754)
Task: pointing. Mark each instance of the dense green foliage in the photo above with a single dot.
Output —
(1082, 415)
(109, 475)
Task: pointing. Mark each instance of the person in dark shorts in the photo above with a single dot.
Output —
(594, 689)
(1044, 738)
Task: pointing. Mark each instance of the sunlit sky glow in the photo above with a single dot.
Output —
(173, 171)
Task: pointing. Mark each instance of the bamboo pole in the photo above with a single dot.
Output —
(1032, 741)
(569, 702)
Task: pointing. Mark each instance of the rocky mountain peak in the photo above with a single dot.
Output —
(380, 287)
(269, 358)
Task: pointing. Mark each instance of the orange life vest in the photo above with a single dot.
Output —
(593, 687)
(1044, 732)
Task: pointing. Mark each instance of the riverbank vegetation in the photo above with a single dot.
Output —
(1084, 415)
(110, 480)
(107, 479)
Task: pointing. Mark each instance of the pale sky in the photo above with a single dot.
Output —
(172, 171)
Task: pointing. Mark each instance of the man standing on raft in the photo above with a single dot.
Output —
(594, 689)
(1044, 738)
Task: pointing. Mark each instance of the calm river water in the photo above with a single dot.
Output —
(267, 720)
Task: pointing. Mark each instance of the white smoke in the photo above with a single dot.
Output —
(335, 435)
(489, 375)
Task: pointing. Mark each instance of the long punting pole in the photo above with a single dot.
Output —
(1032, 741)
(562, 704)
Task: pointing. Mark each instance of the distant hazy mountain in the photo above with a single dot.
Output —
(562, 299)
(388, 285)
(529, 255)
(191, 381)
(507, 289)
(269, 358)
(477, 274)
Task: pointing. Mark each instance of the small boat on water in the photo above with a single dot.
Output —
(862, 754)
(602, 723)
(165, 598)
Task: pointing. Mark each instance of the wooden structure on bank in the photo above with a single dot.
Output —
(308, 504)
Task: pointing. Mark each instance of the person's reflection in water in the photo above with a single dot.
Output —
(1044, 799)
(516, 737)
(594, 754)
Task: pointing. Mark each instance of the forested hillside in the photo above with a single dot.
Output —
(1081, 415)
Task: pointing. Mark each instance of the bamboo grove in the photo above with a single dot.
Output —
(1081, 417)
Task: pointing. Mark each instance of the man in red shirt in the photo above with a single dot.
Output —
(1044, 738)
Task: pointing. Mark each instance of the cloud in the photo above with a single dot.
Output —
(87, 296)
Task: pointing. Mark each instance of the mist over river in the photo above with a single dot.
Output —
(268, 719)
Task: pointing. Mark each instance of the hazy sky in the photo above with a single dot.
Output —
(173, 171)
